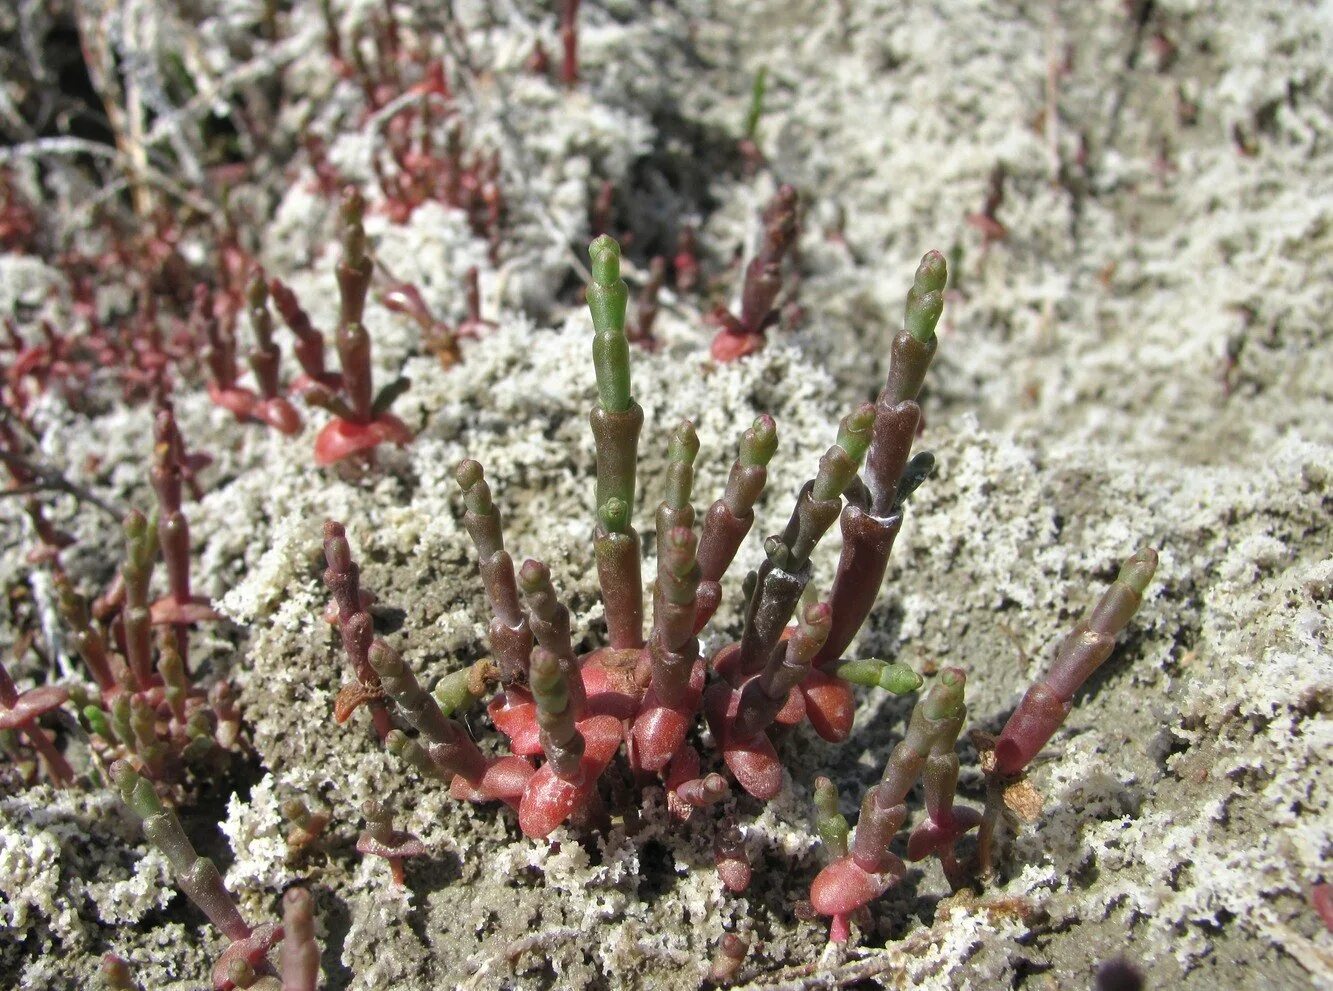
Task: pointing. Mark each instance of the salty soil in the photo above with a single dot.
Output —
(1142, 358)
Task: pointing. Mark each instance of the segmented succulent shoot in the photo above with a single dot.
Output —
(743, 335)
(198, 877)
(871, 519)
(356, 629)
(870, 868)
(1048, 703)
(616, 420)
(380, 839)
(509, 633)
(830, 823)
(299, 956)
(361, 418)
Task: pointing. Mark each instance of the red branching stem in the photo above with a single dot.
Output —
(1048, 702)
(21, 710)
(743, 335)
(766, 693)
(730, 518)
(763, 275)
(451, 749)
(355, 626)
(549, 621)
(173, 530)
(509, 633)
(309, 347)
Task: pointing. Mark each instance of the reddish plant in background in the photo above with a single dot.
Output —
(987, 220)
(269, 405)
(361, 418)
(685, 262)
(436, 335)
(19, 712)
(18, 222)
(744, 335)
(640, 330)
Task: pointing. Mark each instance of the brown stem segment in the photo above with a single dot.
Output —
(730, 518)
(673, 647)
(619, 572)
(616, 440)
(867, 541)
(549, 620)
(784, 574)
(764, 695)
(509, 633)
(774, 598)
(353, 343)
(452, 749)
(560, 738)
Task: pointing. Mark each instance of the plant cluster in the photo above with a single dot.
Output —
(361, 418)
(147, 706)
(407, 94)
(568, 717)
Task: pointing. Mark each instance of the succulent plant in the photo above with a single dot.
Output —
(644, 692)
(361, 418)
(568, 716)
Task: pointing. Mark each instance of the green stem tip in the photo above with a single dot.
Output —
(607, 298)
(925, 300)
(759, 443)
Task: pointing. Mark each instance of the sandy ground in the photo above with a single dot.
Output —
(1168, 201)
